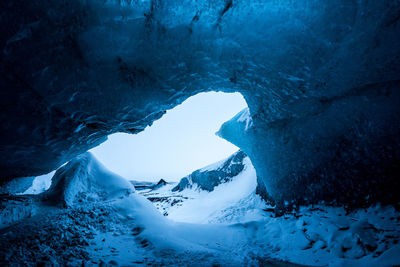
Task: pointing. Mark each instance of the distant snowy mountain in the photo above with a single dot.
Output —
(142, 185)
(158, 185)
(85, 178)
(215, 174)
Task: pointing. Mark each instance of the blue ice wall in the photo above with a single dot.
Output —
(321, 79)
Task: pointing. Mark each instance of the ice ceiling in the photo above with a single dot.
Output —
(321, 79)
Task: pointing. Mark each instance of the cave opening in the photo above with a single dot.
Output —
(179, 162)
(321, 79)
(180, 142)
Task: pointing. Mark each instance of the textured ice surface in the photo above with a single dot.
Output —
(321, 79)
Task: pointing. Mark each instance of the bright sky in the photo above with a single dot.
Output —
(182, 141)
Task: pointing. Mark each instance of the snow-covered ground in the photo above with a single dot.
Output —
(313, 235)
(231, 202)
(90, 216)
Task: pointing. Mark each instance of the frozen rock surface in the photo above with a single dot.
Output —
(321, 79)
(215, 174)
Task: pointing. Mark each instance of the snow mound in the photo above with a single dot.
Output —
(86, 179)
(160, 184)
(215, 174)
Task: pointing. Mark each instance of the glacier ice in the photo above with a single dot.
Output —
(321, 79)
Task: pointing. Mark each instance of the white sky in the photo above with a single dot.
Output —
(182, 141)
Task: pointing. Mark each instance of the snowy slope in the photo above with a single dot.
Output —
(313, 235)
(108, 223)
(210, 207)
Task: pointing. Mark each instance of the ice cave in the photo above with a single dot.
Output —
(306, 167)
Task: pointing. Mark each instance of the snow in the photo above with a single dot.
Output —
(314, 235)
(107, 222)
(208, 205)
(217, 165)
(212, 175)
(214, 166)
(40, 184)
(331, 234)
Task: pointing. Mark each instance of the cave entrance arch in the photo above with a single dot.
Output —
(180, 142)
(180, 157)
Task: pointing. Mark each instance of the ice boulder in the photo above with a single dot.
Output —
(215, 174)
(85, 179)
